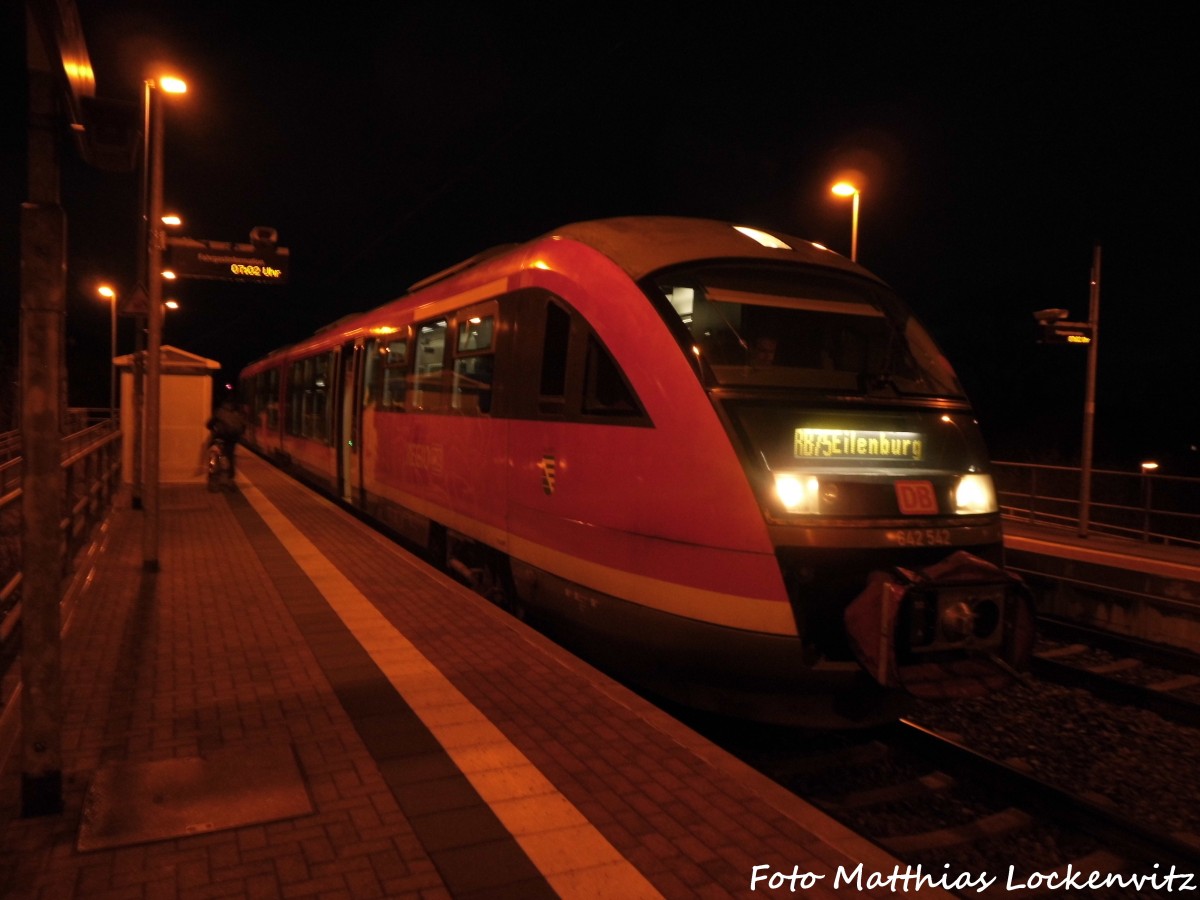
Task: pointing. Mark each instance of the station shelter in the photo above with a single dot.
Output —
(186, 392)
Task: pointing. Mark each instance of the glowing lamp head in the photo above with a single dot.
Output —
(975, 495)
(798, 493)
(172, 85)
(844, 189)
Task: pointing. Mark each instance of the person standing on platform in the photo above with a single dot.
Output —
(227, 424)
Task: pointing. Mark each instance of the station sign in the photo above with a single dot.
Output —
(261, 263)
(1062, 332)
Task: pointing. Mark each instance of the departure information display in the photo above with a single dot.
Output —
(189, 258)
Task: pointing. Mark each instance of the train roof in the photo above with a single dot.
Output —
(640, 245)
(644, 244)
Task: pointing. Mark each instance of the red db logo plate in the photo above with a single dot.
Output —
(916, 498)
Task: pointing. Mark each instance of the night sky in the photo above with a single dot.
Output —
(996, 147)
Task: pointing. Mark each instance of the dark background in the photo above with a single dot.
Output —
(995, 146)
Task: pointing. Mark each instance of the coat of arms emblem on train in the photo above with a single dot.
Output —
(547, 465)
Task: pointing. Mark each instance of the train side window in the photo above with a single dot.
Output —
(264, 399)
(308, 397)
(373, 373)
(556, 343)
(395, 374)
(474, 360)
(605, 391)
(387, 370)
(294, 394)
(427, 389)
(475, 332)
(248, 388)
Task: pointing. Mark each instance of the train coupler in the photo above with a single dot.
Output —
(963, 627)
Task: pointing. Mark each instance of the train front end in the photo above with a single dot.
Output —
(869, 467)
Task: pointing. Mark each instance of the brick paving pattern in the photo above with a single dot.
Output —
(218, 650)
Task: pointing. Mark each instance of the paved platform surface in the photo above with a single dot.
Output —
(411, 740)
(1169, 561)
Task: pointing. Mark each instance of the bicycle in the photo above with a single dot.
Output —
(219, 475)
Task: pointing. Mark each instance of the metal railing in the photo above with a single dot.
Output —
(91, 464)
(1140, 506)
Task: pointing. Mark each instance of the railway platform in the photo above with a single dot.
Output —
(1166, 562)
(1146, 591)
(293, 706)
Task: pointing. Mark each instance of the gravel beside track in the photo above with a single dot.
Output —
(1137, 761)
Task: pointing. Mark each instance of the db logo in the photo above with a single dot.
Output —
(916, 498)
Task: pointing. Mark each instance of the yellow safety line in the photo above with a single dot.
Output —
(575, 858)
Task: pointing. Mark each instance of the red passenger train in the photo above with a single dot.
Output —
(724, 464)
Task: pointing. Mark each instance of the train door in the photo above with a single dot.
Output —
(349, 419)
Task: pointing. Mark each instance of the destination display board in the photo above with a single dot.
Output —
(259, 263)
(1065, 333)
(859, 446)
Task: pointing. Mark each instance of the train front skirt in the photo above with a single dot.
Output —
(960, 628)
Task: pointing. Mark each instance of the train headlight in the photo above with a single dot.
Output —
(975, 494)
(798, 493)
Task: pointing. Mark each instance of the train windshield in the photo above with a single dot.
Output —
(793, 327)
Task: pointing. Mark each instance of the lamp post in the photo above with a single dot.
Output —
(156, 243)
(111, 295)
(846, 189)
(1089, 398)
(1147, 467)
(1056, 330)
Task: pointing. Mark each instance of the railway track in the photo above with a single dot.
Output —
(1160, 679)
(931, 801)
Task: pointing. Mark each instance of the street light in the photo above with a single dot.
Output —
(846, 189)
(111, 295)
(156, 242)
